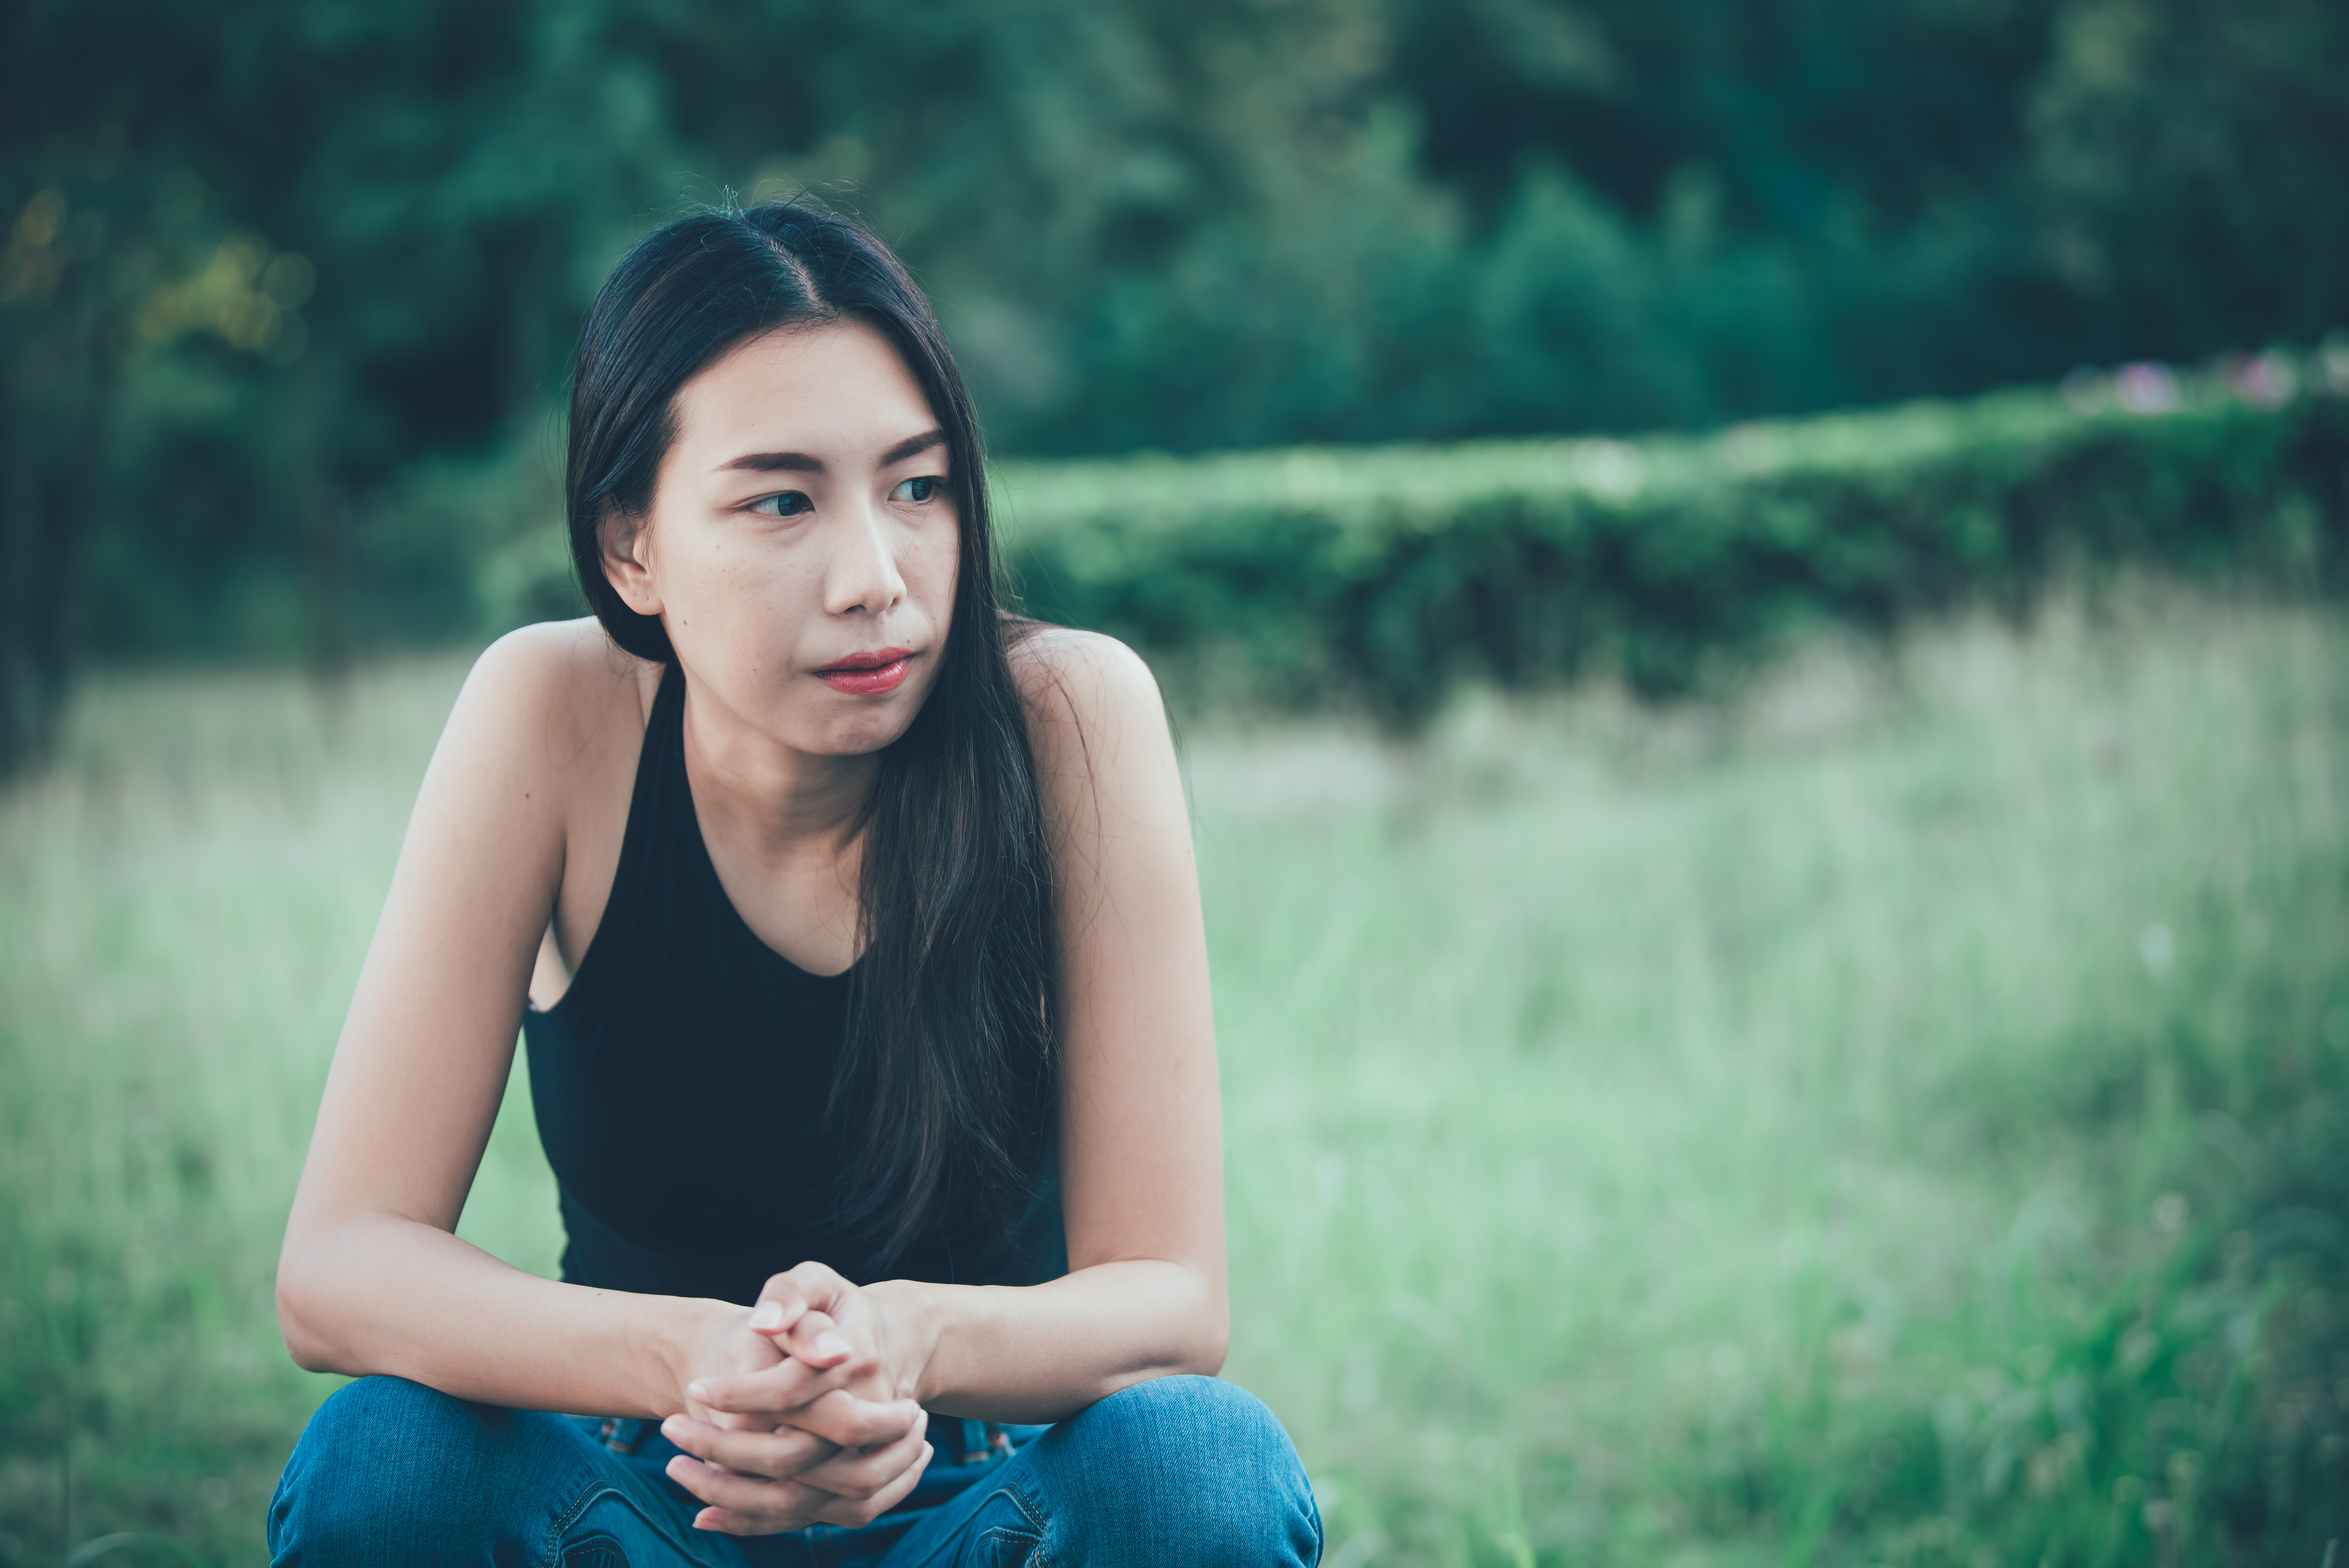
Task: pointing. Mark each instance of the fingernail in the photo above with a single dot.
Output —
(767, 1315)
(831, 1344)
(699, 1389)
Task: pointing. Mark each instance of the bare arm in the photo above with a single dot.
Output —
(1141, 1121)
(372, 1279)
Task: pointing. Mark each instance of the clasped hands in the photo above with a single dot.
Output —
(808, 1417)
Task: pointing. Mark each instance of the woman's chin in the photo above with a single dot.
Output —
(860, 733)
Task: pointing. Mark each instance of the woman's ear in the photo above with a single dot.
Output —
(626, 543)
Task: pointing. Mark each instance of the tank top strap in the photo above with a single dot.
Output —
(648, 851)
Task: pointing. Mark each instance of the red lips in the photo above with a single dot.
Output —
(868, 674)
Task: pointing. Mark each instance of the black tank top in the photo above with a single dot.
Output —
(680, 1086)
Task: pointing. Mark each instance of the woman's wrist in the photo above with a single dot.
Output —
(680, 1335)
(913, 1318)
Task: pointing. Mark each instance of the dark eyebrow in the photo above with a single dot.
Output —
(912, 446)
(801, 463)
(769, 463)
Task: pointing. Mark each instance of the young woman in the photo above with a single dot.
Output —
(853, 928)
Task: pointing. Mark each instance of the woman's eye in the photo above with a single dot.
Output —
(790, 503)
(919, 490)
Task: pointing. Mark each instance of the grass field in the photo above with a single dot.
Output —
(1899, 1119)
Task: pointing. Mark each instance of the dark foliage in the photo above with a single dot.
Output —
(1383, 577)
(270, 263)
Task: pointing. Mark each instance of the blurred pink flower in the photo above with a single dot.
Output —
(2267, 380)
(2147, 387)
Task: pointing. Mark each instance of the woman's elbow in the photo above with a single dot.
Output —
(1215, 1346)
(300, 1343)
(1211, 1332)
(298, 1314)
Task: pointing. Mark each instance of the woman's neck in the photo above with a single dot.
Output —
(779, 803)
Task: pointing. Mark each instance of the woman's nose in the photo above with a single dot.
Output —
(862, 571)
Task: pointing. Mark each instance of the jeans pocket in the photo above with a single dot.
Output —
(1008, 1549)
(611, 1525)
(1006, 1532)
(594, 1552)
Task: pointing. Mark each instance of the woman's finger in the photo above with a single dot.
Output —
(849, 1422)
(816, 1339)
(843, 1511)
(778, 1455)
(741, 1506)
(725, 1521)
(821, 1284)
(795, 1291)
(728, 1522)
(785, 1387)
(780, 1304)
(769, 1505)
(860, 1474)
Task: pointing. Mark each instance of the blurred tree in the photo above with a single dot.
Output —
(105, 258)
(270, 261)
(2185, 161)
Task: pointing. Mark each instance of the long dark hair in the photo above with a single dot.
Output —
(945, 1088)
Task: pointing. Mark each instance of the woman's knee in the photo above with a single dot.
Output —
(390, 1472)
(1200, 1465)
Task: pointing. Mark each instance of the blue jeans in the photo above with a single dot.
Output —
(1177, 1470)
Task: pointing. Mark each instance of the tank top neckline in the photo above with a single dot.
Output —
(660, 760)
(687, 1068)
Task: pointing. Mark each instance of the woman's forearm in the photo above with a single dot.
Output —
(379, 1294)
(1041, 1353)
(383, 1294)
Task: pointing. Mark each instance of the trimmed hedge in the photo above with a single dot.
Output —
(1379, 577)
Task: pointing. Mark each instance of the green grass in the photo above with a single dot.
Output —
(1899, 1118)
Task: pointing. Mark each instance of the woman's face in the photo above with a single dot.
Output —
(802, 546)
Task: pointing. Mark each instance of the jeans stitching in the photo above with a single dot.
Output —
(1024, 1498)
(1035, 1555)
(599, 1538)
(565, 1518)
(950, 1542)
(1028, 1504)
(600, 1487)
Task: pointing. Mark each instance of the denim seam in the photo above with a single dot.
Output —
(1027, 1502)
(950, 1543)
(598, 1488)
(269, 1519)
(1035, 1555)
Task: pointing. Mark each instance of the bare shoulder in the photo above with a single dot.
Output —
(1104, 750)
(547, 697)
(1084, 687)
